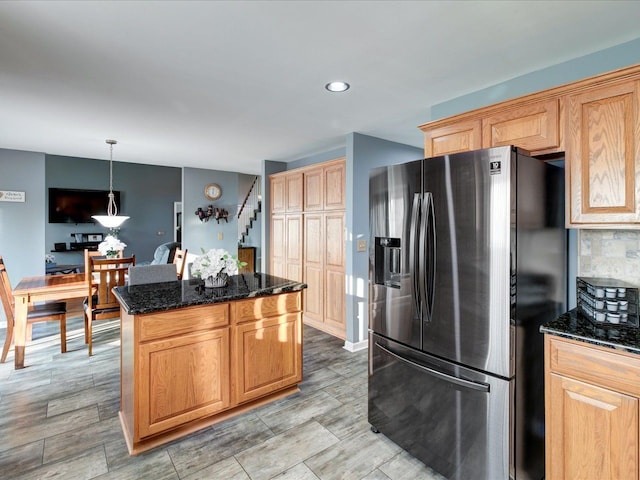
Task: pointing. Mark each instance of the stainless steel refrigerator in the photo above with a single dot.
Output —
(467, 260)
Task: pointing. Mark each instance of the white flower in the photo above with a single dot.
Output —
(111, 245)
(214, 262)
(49, 258)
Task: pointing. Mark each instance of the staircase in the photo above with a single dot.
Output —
(248, 211)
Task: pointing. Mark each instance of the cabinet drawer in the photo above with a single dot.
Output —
(265, 307)
(600, 367)
(177, 322)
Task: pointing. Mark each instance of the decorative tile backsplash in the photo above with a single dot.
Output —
(610, 253)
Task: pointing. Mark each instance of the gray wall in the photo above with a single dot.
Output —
(147, 193)
(22, 233)
(198, 235)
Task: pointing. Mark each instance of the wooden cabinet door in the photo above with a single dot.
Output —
(294, 191)
(278, 246)
(334, 186)
(334, 268)
(278, 194)
(603, 155)
(460, 137)
(591, 432)
(293, 247)
(267, 356)
(535, 127)
(182, 379)
(313, 190)
(247, 255)
(314, 267)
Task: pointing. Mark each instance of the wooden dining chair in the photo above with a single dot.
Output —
(179, 260)
(44, 312)
(103, 274)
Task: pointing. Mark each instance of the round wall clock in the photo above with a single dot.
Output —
(213, 191)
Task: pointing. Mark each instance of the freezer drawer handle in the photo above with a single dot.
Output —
(482, 387)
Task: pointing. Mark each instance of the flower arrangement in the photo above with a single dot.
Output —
(215, 262)
(49, 258)
(110, 246)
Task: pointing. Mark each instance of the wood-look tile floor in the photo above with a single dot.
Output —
(59, 419)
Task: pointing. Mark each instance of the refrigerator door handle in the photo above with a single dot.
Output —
(481, 387)
(414, 252)
(429, 263)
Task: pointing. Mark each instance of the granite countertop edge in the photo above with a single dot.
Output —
(574, 326)
(157, 297)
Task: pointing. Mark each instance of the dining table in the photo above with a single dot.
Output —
(39, 289)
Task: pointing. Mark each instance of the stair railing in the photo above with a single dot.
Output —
(248, 211)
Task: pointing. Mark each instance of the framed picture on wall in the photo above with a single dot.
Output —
(94, 237)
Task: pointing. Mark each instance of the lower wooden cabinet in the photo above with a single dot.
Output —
(286, 250)
(278, 339)
(187, 368)
(247, 255)
(324, 272)
(591, 412)
(184, 378)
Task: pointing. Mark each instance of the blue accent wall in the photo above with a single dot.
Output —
(603, 61)
(199, 235)
(363, 154)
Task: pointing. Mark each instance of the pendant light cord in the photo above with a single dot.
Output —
(112, 208)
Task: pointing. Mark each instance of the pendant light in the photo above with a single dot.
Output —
(111, 219)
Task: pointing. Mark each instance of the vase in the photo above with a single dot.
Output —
(216, 281)
(112, 254)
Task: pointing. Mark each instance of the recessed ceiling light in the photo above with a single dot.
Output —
(337, 86)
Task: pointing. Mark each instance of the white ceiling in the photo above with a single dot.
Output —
(224, 85)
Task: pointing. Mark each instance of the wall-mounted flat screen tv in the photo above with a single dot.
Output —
(77, 206)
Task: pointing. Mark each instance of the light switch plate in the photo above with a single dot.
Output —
(220, 235)
(362, 245)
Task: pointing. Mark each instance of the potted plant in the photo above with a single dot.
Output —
(215, 266)
(110, 246)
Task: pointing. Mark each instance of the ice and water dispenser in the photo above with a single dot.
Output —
(388, 261)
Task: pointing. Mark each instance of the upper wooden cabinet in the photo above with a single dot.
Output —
(463, 136)
(278, 194)
(324, 187)
(594, 121)
(286, 193)
(604, 155)
(535, 127)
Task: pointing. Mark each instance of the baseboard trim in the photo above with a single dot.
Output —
(356, 347)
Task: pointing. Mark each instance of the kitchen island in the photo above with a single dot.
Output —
(192, 356)
(592, 399)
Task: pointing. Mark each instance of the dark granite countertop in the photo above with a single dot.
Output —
(577, 327)
(156, 297)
